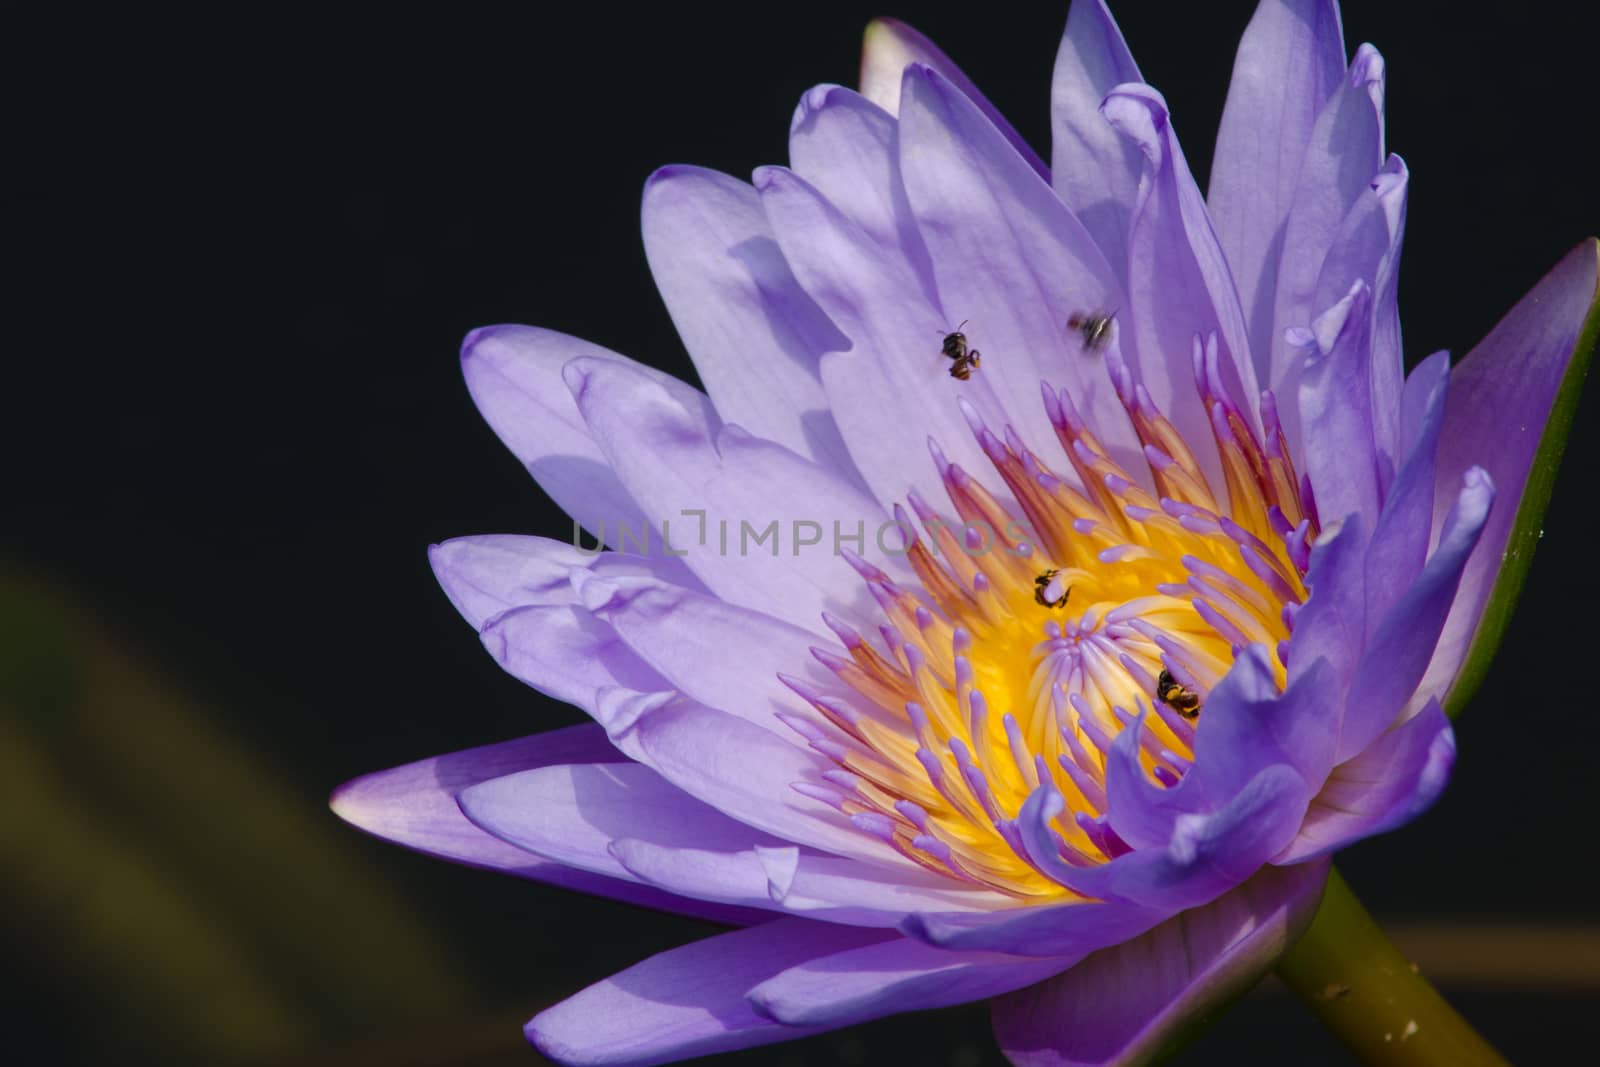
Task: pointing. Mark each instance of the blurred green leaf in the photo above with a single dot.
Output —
(202, 901)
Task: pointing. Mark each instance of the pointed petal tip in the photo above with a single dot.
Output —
(346, 801)
(884, 28)
(814, 100)
(470, 342)
(436, 556)
(770, 177)
(665, 173)
(887, 46)
(577, 373)
(1139, 113)
(1367, 67)
(767, 1004)
(542, 1034)
(1350, 310)
(474, 342)
(379, 803)
(890, 46)
(1393, 177)
(1588, 248)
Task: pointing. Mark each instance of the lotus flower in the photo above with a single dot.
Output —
(1043, 656)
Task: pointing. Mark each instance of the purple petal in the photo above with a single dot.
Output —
(1345, 152)
(566, 653)
(635, 418)
(688, 1001)
(889, 977)
(1095, 171)
(1391, 782)
(1065, 930)
(1207, 855)
(734, 506)
(491, 573)
(1123, 1004)
(729, 877)
(1404, 641)
(802, 883)
(484, 576)
(1335, 401)
(415, 805)
(1501, 397)
(1289, 63)
(1008, 255)
(618, 708)
(1248, 726)
(571, 814)
(842, 890)
(752, 332)
(847, 148)
(891, 388)
(1332, 623)
(1367, 248)
(724, 656)
(1305, 722)
(890, 46)
(1231, 747)
(747, 772)
(1179, 285)
(514, 374)
(1400, 540)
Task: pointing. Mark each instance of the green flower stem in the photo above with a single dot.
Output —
(1354, 979)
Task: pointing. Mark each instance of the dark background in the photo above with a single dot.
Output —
(249, 244)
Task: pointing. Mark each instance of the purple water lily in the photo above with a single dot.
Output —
(1058, 567)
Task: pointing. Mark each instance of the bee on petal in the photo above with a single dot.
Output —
(955, 343)
(963, 360)
(1094, 327)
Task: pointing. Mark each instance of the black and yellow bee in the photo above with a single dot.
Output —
(955, 342)
(963, 360)
(1176, 697)
(1041, 590)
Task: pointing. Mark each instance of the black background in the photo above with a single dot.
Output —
(250, 242)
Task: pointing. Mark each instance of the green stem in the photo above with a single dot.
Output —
(1350, 974)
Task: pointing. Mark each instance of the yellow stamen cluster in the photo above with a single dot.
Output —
(1019, 662)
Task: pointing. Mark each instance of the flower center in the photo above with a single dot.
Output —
(1042, 630)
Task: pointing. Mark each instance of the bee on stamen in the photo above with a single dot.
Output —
(963, 360)
(1094, 327)
(1050, 591)
(1176, 697)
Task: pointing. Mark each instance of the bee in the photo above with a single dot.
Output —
(1047, 584)
(1093, 326)
(955, 342)
(1176, 697)
(963, 360)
